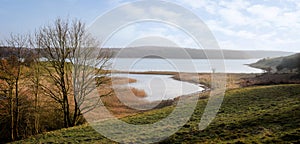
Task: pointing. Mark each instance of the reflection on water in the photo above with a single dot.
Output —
(160, 87)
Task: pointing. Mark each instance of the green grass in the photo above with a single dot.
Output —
(264, 114)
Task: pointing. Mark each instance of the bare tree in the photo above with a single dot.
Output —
(36, 76)
(72, 56)
(11, 73)
(7, 77)
(88, 73)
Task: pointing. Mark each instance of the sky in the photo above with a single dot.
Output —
(235, 24)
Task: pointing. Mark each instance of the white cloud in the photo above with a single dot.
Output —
(133, 11)
(235, 4)
(289, 19)
(122, 37)
(195, 3)
(208, 5)
(267, 13)
(236, 24)
(256, 26)
(163, 13)
(234, 17)
(152, 31)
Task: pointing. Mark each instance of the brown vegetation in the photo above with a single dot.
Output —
(234, 80)
(122, 80)
(138, 92)
(38, 96)
(269, 78)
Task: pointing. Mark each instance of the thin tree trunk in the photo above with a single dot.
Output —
(67, 109)
(36, 82)
(17, 108)
(66, 106)
(36, 116)
(12, 114)
(75, 116)
(65, 115)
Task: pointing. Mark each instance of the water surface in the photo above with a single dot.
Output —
(161, 87)
(184, 65)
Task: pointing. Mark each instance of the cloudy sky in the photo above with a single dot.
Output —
(236, 24)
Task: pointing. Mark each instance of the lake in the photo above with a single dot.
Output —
(183, 65)
(163, 87)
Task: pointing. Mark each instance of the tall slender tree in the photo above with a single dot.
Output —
(11, 72)
(36, 76)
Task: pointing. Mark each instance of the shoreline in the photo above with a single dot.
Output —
(203, 79)
(234, 81)
(171, 76)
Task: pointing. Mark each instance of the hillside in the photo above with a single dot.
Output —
(180, 53)
(263, 114)
(285, 64)
(166, 52)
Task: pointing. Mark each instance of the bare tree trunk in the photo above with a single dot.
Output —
(13, 71)
(35, 80)
(12, 114)
(76, 113)
(66, 107)
(17, 106)
(36, 112)
(36, 86)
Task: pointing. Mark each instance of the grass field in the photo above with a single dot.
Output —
(261, 114)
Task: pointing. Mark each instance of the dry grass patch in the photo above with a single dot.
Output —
(234, 80)
(138, 92)
(122, 80)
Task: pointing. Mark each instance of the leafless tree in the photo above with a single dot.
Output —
(36, 78)
(73, 58)
(11, 73)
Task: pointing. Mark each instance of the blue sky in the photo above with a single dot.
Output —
(236, 24)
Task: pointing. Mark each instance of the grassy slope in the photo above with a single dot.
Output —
(288, 62)
(265, 63)
(254, 114)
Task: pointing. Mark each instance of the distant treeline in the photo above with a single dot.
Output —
(8, 51)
